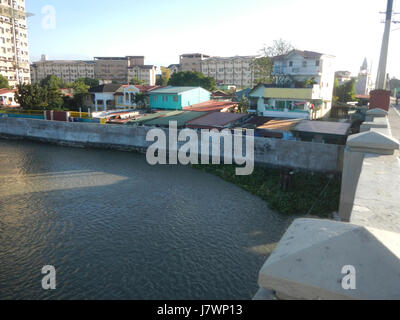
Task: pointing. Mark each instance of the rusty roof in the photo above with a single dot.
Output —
(216, 120)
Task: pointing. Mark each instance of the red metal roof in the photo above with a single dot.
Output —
(5, 90)
(211, 106)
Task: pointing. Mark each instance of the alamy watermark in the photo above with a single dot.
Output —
(349, 281)
(49, 280)
(187, 146)
(49, 19)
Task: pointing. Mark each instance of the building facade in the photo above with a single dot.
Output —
(67, 70)
(146, 73)
(192, 61)
(174, 68)
(14, 55)
(177, 98)
(125, 96)
(303, 87)
(342, 76)
(231, 71)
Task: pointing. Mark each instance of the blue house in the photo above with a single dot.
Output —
(177, 98)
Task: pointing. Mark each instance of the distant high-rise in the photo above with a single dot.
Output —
(14, 55)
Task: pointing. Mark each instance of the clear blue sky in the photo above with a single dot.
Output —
(161, 30)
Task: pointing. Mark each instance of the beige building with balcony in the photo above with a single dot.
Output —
(67, 70)
(14, 53)
(234, 71)
(192, 61)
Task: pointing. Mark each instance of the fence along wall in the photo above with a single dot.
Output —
(274, 152)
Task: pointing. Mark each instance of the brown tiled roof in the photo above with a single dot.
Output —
(215, 120)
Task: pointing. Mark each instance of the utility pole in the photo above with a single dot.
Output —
(381, 78)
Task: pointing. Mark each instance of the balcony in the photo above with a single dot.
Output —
(294, 93)
(296, 70)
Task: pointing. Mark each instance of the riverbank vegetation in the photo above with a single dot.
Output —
(307, 193)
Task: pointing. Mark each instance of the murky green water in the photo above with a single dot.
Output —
(117, 228)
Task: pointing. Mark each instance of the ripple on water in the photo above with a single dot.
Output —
(116, 228)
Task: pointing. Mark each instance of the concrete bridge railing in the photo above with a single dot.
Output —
(358, 257)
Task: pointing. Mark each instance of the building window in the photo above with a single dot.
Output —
(317, 63)
(290, 63)
(165, 98)
(175, 98)
(155, 98)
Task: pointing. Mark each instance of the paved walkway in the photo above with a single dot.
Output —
(394, 120)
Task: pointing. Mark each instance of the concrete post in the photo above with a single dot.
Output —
(357, 146)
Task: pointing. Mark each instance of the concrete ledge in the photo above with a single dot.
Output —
(373, 142)
(308, 262)
(264, 294)
(376, 123)
(377, 112)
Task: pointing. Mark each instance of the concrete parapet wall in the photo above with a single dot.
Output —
(314, 257)
(274, 152)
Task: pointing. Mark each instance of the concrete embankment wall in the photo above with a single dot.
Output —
(274, 152)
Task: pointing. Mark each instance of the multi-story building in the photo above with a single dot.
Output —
(303, 87)
(67, 70)
(174, 68)
(231, 71)
(342, 76)
(106, 69)
(14, 56)
(192, 61)
(146, 73)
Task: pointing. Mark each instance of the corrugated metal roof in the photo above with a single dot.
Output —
(173, 90)
(181, 118)
(215, 120)
(152, 116)
(323, 127)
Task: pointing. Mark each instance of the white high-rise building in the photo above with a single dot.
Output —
(14, 55)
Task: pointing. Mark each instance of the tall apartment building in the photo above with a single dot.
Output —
(231, 71)
(67, 70)
(192, 61)
(106, 69)
(116, 68)
(14, 56)
(235, 71)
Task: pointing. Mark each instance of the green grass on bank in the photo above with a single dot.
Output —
(315, 194)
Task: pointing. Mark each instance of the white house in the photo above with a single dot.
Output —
(103, 96)
(7, 98)
(303, 88)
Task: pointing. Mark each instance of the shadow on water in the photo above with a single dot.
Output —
(116, 228)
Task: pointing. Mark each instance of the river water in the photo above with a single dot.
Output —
(116, 228)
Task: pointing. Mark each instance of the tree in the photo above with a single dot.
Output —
(263, 66)
(346, 92)
(4, 83)
(279, 47)
(192, 79)
(31, 97)
(136, 81)
(52, 81)
(140, 99)
(81, 89)
(243, 105)
(161, 81)
(90, 82)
